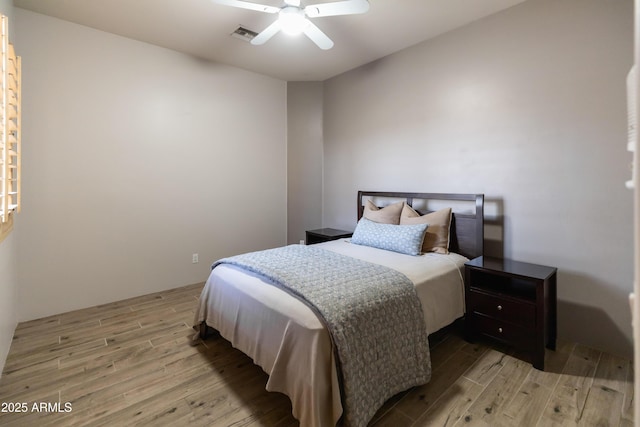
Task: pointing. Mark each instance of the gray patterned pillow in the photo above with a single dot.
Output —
(406, 239)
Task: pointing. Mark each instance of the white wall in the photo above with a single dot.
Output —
(304, 158)
(8, 251)
(134, 158)
(8, 295)
(526, 106)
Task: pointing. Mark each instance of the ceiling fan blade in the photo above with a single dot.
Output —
(347, 7)
(318, 37)
(266, 34)
(248, 5)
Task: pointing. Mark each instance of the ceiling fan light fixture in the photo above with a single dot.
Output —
(292, 20)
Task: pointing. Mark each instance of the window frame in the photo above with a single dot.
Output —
(10, 131)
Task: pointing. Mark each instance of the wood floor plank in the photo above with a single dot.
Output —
(111, 379)
(394, 418)
(530, 400)
(388, 405)
(420, 399)
(50, 353)
(186, 306)
(476, 349)
(151, 354)
(490, 405)
(152, 405)
(102, 331)
(612, 372)
(134, 362)
(445, 349)
(152, 334)
(555, 362)
(11, 375)
(86, 399)
(56, 329)
(176, 415)
(155, 387)
(278, 416)
(29, 390)
(528, 403)
(29, 344)
(487, 367)
(40, 323)
(31, 417)
(225, 405)
(603, 407)
(452, 404)
(269, 408)
(121, 411)
(82, 417)
(135, 316)
(179, 336)
(96, 357)
(93, 313)
(566, 404)
(164, 317)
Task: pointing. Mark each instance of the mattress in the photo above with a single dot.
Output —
(285, 337)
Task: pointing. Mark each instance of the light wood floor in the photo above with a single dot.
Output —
(130, 363)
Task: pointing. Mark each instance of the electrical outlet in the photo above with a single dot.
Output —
(302, 242)
(194, 258)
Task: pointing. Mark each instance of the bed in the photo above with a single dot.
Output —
(290, 339)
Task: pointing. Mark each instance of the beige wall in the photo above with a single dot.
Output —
(526, 106)
(134, 158)
(304, 158)
(8, 252)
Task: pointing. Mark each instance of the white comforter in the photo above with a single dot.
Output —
(283, 336)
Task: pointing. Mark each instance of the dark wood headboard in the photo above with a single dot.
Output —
(467, 227)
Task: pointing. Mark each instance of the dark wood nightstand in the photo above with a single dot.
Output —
(325, 234)
(512, 302)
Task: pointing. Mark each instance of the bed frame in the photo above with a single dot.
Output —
(466, 238)
(466, 232)
(467, 229)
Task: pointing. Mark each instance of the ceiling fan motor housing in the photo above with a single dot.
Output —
(292, 20)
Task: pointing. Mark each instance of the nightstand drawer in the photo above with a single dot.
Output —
(508, 309)
(504, 331)
(514, 302)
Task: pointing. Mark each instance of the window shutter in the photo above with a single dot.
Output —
(10, 162)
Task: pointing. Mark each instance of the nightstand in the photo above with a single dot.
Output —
(325, 234)
(512, 302)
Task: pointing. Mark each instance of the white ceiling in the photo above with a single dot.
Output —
(202, 28)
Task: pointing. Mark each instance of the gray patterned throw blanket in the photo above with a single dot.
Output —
(373, 315)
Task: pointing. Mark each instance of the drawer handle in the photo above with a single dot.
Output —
(500, 330)
(499, 308)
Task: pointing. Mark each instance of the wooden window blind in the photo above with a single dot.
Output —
(10, 163)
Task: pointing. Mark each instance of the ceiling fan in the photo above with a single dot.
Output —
(293, 18)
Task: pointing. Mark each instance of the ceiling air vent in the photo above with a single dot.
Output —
(244, 34)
